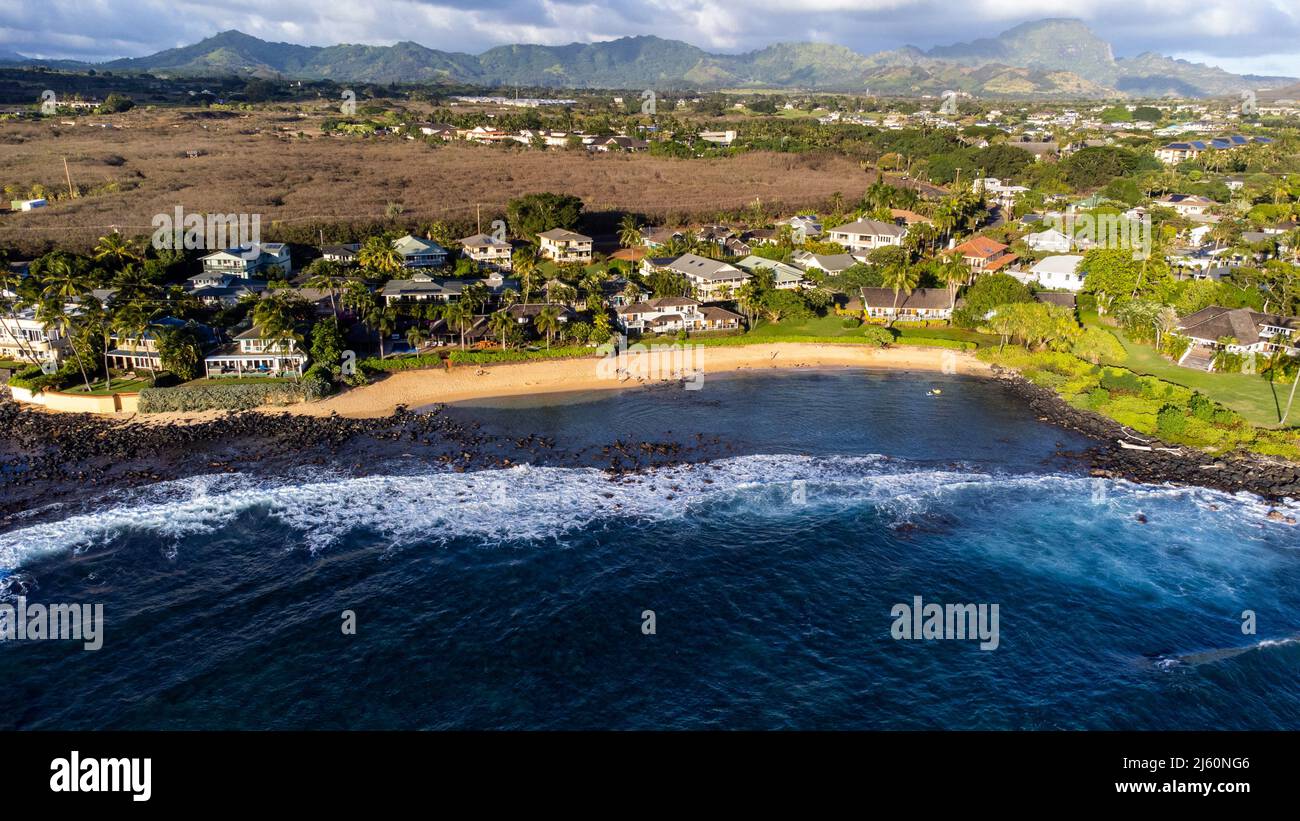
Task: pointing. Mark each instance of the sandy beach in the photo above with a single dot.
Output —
(468, 382)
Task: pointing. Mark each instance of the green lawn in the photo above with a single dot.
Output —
(832, 327)
(1254, 397)
(100, 387)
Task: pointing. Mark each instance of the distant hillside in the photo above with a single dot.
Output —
(1052, 57)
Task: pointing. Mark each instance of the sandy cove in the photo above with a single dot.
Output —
(467, 382)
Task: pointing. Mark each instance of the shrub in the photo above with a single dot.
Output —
(1098, 397)
(218, 396)
(1201, 407)
(850, 322)
(875, 335)
(1171, 421)
(1117, 380)
(35, 380)
(1097, 345)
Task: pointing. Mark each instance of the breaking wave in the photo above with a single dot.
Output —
(529, 503)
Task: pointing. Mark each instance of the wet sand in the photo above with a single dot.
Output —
(469, 382)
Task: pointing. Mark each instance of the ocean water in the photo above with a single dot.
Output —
(516, 598)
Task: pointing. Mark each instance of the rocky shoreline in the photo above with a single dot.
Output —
(48, 458)
(1271, 479)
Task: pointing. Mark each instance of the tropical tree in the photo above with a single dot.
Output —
(899, 278)
(548, 322)
(116, 251)
(378, 255)
(457, 315)
(629, 234)
(501, 324)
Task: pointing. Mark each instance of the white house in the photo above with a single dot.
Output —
(784, 277)
(1187, 205)
(247, 260)
(488, 251)
(921, 303)
(675, 313)
(867, 235)
(255, 354)
(1052, 240)
(23, 336)
(1060, 272)
(711, 279)
(563, 245)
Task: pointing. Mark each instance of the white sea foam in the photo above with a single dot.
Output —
(535, 503)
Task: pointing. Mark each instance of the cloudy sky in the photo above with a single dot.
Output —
(1259, 36)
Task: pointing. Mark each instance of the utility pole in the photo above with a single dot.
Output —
(478, 218)
(71, 194)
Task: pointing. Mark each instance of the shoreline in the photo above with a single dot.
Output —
(62, 454)
(463, 383)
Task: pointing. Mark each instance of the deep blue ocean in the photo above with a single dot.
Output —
(516, 598)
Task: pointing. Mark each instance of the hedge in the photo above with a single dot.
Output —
(499, 356)
(34, 380)
(217, 396)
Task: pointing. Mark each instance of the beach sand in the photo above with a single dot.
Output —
(469, 382)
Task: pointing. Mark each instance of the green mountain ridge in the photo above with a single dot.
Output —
(1052, 57)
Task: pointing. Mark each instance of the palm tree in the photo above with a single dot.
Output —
(275, 315)
(417, 336)
(327, 276)
(749, 297)
(50, 312)
(900, 278)
(383, 319)
(524, 264)
(501, 322)
(548, 322)
(457, 314)
(116, 250)
(1295, 380)
(629, 235)
(9, 284)
(379, 255)
(953, 272)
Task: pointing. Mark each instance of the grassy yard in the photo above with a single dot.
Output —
(101, 388)
(1254, 397)
(831, 327)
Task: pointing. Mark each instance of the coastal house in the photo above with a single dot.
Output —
(132, 352)
(417, 252)
(866, 235)
(806, 225)
(998, 192)
(345, 254)
(421, 287)
(675, 313)
(1052, 240)
(784, 277)
(922, 303)
(563, 245)
(23, 336)
(711, 279)
(217, 290)
(251, 261)
(1187, 205)
(1174, 153)
(830, 263)
(488, 251)
(254, 353)
(983, 255)
(659, 237)
(1239, 330)
(441, 131)
(1059, 272)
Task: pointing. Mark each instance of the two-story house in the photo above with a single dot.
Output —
(863, 236)
(563, 245)
(254, 353)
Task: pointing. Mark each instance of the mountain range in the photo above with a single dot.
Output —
(1052, 57)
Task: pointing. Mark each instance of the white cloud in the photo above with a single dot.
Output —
(1231, 33)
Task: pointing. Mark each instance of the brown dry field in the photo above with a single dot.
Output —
(255, 163)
